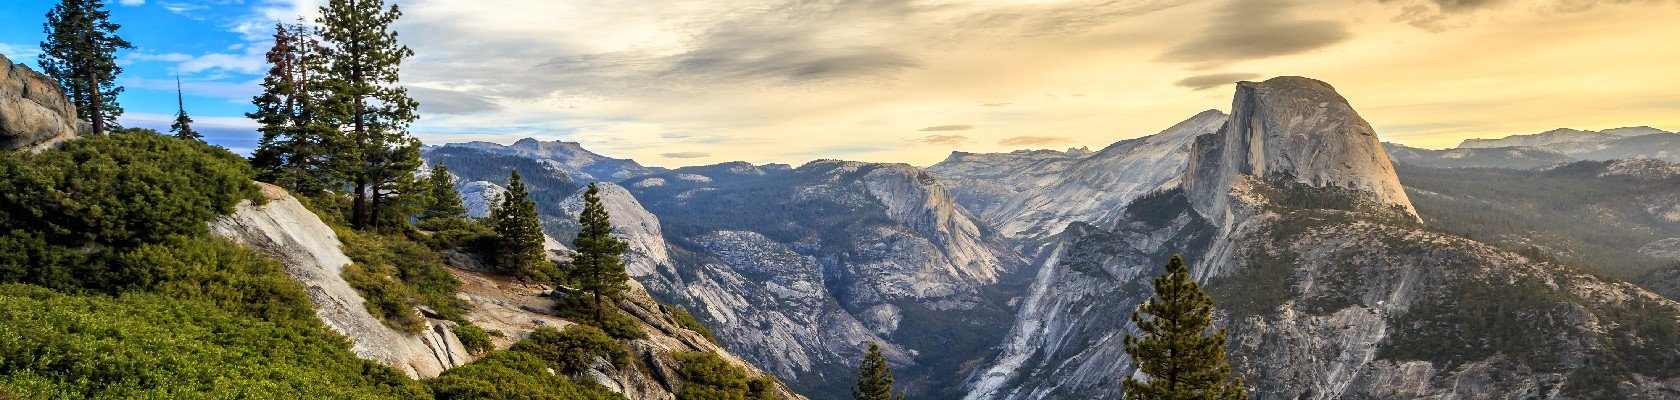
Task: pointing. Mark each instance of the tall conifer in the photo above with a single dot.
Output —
(519, 235)
(597, 268)
(80, 53)
(874, 377)
(1180, 358)
(298, 134)
(365, 58)
(444, 201)
(183, 123)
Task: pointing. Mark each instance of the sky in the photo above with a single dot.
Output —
(690, 82)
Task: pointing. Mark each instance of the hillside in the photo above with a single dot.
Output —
(139, 265)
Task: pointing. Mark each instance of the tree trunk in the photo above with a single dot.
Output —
(96, 102)
(600, 318)
(373, 208)
(358, 209)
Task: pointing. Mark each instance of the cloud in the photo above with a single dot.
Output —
(1254, 29)
(251, 61)
(943, 128)
(19, 53)
(1440, 15)
(1034, 140)
(131, 2)
(687, 154)
(942, 140)
(1210, 81)
(450, 102)
(240, 92)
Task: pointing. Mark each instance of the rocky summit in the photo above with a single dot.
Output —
(33, 109)
(1296, 129)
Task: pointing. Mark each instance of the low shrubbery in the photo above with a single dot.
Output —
(396, 274)
(143, 345)
(575, 348)
(706, 377)
(120, 190)
(578, 307)
(545, 365)
(687, 321)
(475, 339)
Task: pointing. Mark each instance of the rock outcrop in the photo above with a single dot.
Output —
(34, 111)
(1292, 128)
(310, 253)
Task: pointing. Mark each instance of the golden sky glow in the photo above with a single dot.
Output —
(697, 82)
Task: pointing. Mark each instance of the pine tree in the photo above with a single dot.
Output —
(365, 58)
(80, 53)
(874, 377)
(444, 203)
(519, 235)
(297, 128)
(1181, 360)
(183, 124)
(597, 268)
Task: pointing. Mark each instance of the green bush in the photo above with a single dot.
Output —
(514, 375)
(707, 377)
(579, 308)
(396, 274)
(142, 345)
(573, 350)
(217, 271)
(475, 339)
(121, 189)
(453, 233)
(687, 321)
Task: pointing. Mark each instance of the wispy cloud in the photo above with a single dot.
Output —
(687, 154)
(942, 128)
(942, 140)
(1254, 29)
(450, 102)
(1210, 81)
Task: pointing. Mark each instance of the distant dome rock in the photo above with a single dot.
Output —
(1297, 128)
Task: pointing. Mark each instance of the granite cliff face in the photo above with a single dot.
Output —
(1051, 190)
(33, 109)
(796, 267)
(1328, 284)
(310, 254)
(1292, 128)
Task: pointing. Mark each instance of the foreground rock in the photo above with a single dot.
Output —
(34, 112)
(310, 253)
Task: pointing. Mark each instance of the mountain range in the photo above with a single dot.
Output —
(1012, 275)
